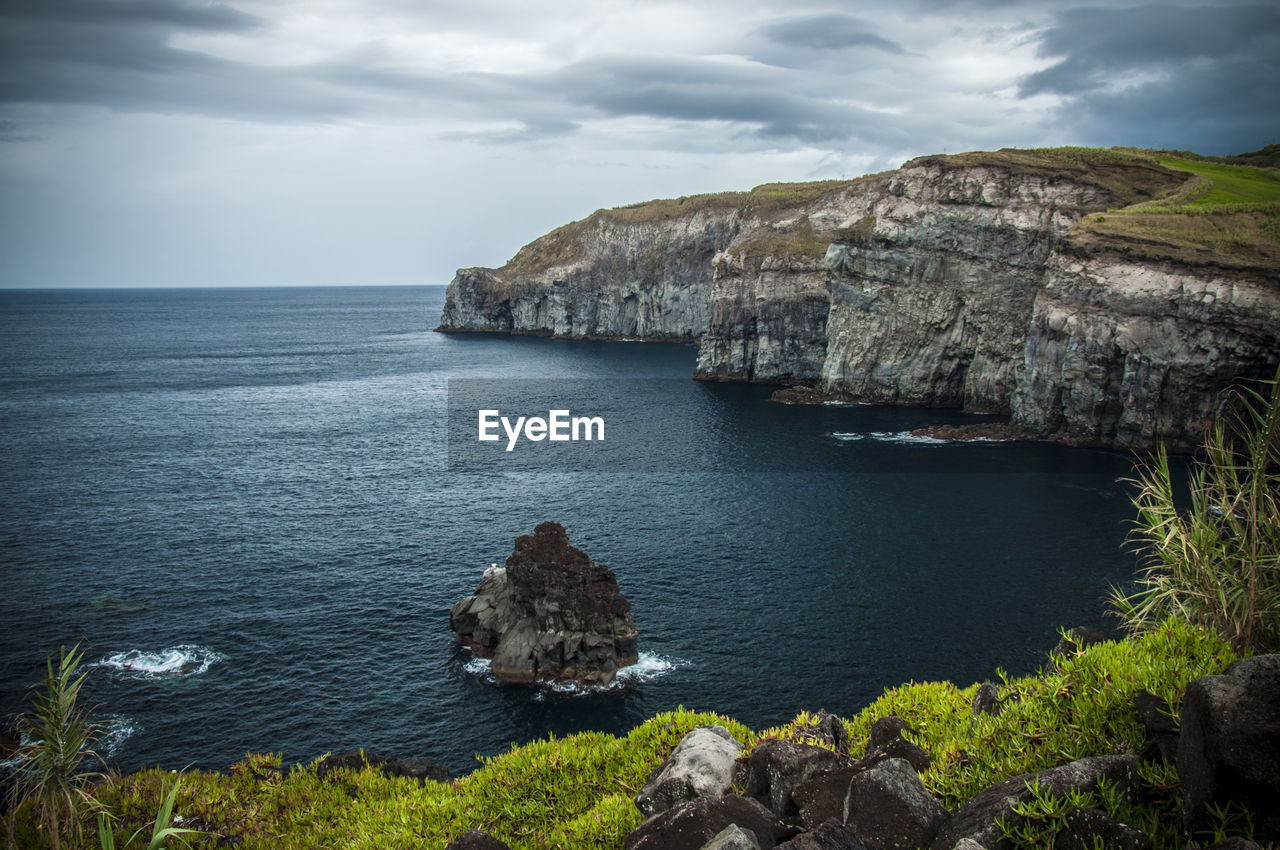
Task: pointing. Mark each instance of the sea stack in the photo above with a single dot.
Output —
(551, 615)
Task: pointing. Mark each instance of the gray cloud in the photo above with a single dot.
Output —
(117, 54)
(832, 31)
(178, 13)
(1204, 77)
(11, 131)
(1096, 44)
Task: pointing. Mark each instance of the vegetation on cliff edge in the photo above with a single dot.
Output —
(1222, 214)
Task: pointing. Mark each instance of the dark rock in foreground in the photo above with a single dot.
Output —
(978, 819)
(888, 808)
(1085, 829)
(551, 615)
(475, 839)
(1229, 742)
(693, 825)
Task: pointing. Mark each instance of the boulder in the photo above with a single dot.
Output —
(977, 819)
(777, 766)
(1085, 829)
(701, 765)
(888, 808)
(828, 732)
(1229, 742)
(694, 824)
(821, 797)
(885, 730)
(830, 835)
(475, 839)
(551, 614)
(733, 837)
(885, 742)
(1162, 728)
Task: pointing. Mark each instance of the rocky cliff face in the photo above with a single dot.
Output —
(741, 273)
(1128, 353)
(961, 281)
(932, 291)
(769, 298)
(635, 272)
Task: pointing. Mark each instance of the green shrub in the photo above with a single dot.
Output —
(1217, 564)
(51, 773)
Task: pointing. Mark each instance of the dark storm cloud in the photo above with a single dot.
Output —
(117, 54)
(828, 32)
(177, 13)
(694, 89)
(1206, 77)
(1096, 45)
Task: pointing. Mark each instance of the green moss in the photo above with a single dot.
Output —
(1078, 706)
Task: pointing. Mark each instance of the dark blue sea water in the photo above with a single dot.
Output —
(240, 504)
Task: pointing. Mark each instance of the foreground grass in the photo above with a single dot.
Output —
(575, 792)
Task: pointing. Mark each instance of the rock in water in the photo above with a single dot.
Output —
(551, 615)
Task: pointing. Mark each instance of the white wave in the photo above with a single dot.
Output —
(649, 666)
(177, 662)
(904, 438)
(481, 667)
(116, 729)
(834, 403)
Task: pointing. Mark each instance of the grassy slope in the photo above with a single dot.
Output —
(575, 792)
(1223, 215)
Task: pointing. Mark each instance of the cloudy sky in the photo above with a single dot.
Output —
(286, 142)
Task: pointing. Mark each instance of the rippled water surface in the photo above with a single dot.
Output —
(239, 503)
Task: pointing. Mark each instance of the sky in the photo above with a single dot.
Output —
(354, 142)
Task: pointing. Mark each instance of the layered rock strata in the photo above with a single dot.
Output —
(551, 614)
(963, 281)
(638, 273)
(1128, 353)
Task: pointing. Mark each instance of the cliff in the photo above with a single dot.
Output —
(1098, 296)
(638, 272)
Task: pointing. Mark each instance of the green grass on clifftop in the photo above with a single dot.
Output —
(576, 791)
(1222, 214)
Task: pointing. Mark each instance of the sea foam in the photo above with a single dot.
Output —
(177, 662)
(650, 666)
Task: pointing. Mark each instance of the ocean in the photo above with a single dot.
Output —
(246, 508)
